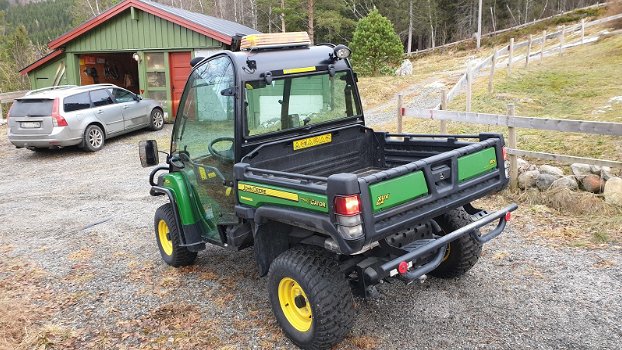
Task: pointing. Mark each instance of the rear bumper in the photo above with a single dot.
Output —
(375, 273)
(59, 137)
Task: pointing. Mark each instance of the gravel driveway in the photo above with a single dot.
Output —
(79, 269)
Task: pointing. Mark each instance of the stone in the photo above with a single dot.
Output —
(544, 181)
(524, 165)
(592, 183)
(405, 69)
(528, 179)
(551, 170)
(568, 182)
(613, 191)
(579, 170)
(605, 173)
(595, 169)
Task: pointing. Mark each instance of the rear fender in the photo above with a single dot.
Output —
(271, 239)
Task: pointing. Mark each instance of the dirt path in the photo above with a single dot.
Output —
(80, 270)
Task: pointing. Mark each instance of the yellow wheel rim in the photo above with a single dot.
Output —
(447, 252)
(164, 237)
(295, 304)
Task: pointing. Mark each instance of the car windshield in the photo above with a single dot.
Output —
(31, 107)
(294, 102)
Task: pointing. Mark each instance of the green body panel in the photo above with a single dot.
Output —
(145, 33)
(44, 76)
(476, 164)
(396, 191)
(256, 195)
(189, 208)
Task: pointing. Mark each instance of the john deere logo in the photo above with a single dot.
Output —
(492, 162)
(381, 199)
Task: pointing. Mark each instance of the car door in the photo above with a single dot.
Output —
(204, 138)
(108, 112)
(135, 113)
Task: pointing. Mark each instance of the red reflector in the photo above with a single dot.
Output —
(347, 205)
(402, 268)
(505, 153)
(508, 216)
(60, 121)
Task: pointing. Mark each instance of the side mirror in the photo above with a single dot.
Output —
(137, 98)
(148, 153)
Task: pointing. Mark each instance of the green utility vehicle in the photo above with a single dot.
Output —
(270, 150)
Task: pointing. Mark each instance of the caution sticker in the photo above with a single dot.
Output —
(313, 141)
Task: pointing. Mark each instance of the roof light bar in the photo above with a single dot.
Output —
(275, 40)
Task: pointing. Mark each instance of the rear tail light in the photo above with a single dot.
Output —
(347, 205)
(347, 213)
(57, 119)
(508, 216)
(505, 153)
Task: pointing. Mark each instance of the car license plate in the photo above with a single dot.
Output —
(31, 125)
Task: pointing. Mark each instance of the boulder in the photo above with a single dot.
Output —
(613, 191)
(580, 170)
(524, 165)
(568, 182)
(551, 170)
(592, 183)
(605, 173)
(405, 69)
(528, 179)
(544, 181)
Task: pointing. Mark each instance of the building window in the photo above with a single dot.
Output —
(156, 69)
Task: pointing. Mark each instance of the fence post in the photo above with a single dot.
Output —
(469, 82)
(582, 31)
(444, 107)
(562, 39)
(399, 114)
(512, 144)
(528, 50)
(511, 50)
(543, 45)
(2, 121)
(492, 73)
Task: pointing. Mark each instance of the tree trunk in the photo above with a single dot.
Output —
(310, 11)
(283, 16)
(410, 27)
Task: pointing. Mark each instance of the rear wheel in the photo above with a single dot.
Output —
(169, 242)
(156, 119)
(310, 298)
(93, 138)
(463, 253)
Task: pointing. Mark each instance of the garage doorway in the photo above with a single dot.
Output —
(180, 70)
(110, 68)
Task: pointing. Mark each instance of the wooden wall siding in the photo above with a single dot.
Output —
(149, 32)
(44, 76)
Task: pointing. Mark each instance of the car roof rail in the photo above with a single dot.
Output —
(50, 88)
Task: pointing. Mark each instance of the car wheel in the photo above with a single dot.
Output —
(311, 299)
(463, 253)
(156, 120)
(93, 138)
(167, 237)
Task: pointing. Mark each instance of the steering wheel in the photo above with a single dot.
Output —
(225, 156)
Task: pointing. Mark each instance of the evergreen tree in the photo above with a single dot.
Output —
(375, 44)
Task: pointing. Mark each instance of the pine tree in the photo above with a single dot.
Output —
(375, 44)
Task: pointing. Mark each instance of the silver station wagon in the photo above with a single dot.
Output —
(79, 115)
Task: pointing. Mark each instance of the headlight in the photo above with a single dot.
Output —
(342, 51)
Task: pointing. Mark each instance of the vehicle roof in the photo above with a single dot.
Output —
(284, 58)
(63, 91)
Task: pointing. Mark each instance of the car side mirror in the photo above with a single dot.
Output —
(137, 98)
(148, 153)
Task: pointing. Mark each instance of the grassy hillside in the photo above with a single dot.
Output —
(584, 84)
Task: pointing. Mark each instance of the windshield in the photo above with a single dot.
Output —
(294, 102)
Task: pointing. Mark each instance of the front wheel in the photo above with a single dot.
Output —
(156, 119)
(167, 236)
(463, 253)
(310, 298)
